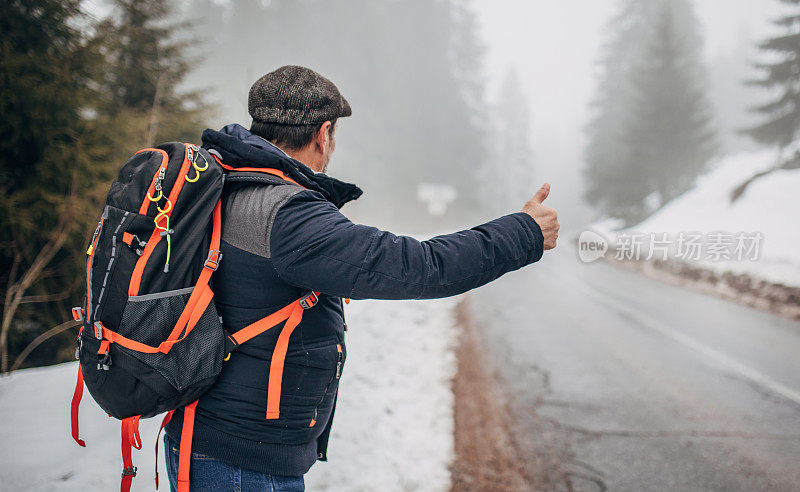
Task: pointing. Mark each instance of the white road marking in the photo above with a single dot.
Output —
(708, 352)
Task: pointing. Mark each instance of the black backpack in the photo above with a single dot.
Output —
(152, 340)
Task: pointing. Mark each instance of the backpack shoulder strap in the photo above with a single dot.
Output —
(195, 306)
(256, 177)
(253, 174)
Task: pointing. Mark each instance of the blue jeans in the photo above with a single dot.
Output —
(210, 475)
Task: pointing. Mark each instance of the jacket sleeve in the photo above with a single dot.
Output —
(314, 246)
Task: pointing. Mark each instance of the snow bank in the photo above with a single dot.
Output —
(769, 205)
(394, 418)
(393, 428)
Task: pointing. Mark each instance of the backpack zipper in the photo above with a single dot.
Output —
(113, 256)
(155, 236)
(90, 252)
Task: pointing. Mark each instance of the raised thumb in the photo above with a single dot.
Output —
(540, 195)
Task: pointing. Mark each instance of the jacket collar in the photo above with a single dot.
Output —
(240, 148)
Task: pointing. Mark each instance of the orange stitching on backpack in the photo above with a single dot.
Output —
(164, 161)
(155, 237)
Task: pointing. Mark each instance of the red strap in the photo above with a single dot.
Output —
(202, 303)
(111, 336)
(278, 357)
(104, 344)
(164, 347)
(167, 418)
(151, 189)
(130, 438)
(292, 314)
(76, 402)
(133, 432)
(155, 237)
(254, 329)
(202, 294)
(185, 455)
(89, 271)
(195, 306)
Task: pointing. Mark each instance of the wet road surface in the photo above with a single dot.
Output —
(620, 382)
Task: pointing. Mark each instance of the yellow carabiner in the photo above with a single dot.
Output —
(157, 217)
(160, 196)
(167, 209)
(194, 164)
(196, 177)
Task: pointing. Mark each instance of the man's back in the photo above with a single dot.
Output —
(284, 237)
(280, 241)
(230, 422)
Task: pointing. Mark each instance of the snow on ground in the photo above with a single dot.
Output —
(393, 428)
(770, 205)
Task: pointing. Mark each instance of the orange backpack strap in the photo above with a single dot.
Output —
(185, 454)
(265, 170)
(130, 438)
(195, 306)
(278, 358)
(292, 314)
(76, 402)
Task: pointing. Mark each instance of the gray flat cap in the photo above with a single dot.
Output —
(294, 95)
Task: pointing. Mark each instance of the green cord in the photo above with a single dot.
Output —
(165, 233)
(169, 246)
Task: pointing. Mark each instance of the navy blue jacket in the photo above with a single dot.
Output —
(281, 240)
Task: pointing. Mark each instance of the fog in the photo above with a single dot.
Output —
(379, 56)
(555, 47)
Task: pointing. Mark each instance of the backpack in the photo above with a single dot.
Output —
(151, 339)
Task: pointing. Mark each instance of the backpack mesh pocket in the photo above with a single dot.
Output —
(149, 319)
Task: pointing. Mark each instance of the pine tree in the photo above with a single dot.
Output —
(783, 124)
(147, 64)
(651, 135)
(607, 185)
(74, 105)
(509, 176)
(51, 161)
(669, 132)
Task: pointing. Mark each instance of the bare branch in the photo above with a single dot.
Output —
(15, 292)
(46, 297)
(39, 340)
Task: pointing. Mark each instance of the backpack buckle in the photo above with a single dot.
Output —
(105, 363)
(129, 471)
(309, 300)
(230, 346)
(77, 313)
(98, 330)
(213, 260)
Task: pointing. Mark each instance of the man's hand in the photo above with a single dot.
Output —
(546, 217)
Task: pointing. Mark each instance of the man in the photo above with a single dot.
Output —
(280, 240)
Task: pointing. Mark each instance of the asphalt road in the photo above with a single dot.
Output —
(620, 382)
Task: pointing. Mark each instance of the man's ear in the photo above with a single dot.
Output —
(323, 137)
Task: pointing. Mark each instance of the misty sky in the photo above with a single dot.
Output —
(554, 47)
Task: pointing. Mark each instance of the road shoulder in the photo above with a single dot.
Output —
(486, 457)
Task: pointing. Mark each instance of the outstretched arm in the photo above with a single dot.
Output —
(314, 246)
